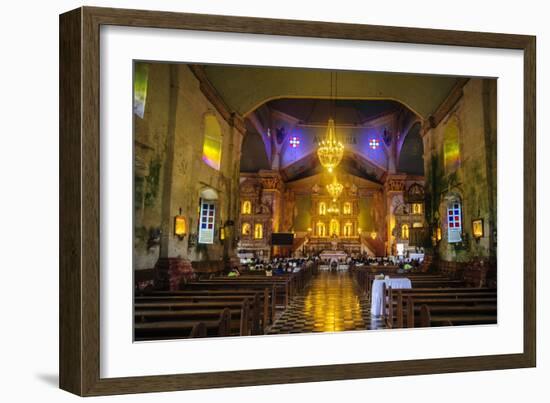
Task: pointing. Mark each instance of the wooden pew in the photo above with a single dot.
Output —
(457, 315)
(182, 310)
(405, 304)
(281, 287)
(257, 304)
(183, 329)
(265, 297)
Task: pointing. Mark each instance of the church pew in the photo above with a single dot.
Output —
(280, 288)
(198, 331)
(256, 305)
(248, 319)
(161, 330)
(421, 279)
(216, 288)
(266, 305)
(282, 282)
(403, 303)
(447, 316)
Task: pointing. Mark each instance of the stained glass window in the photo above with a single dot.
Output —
(454, 222)
(294, 142)
(141, 76)
(212, 146)
(206, 222)
(451, 146)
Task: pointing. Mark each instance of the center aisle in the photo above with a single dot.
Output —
(332, 303)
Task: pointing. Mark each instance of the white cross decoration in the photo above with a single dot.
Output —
(374, 144)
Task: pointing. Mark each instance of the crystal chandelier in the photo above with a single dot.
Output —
(335, 189)
(330, 151)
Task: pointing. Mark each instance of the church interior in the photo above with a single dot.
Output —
(275, 200)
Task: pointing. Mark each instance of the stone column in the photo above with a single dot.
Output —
(169, 270)
(236, 135)
(394, 186)
(272, 190)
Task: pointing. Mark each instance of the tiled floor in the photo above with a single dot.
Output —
(331, 303)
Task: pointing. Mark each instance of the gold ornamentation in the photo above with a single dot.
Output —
(330, 151)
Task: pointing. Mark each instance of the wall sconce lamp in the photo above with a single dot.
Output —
(477, 229)
(373, 234)
(436, 237)
(180, 226)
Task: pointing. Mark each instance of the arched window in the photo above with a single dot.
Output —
(451, 146)
(141, 76)
(258, 231)
(322, 208)
(212, 146)
(405, 231)
(334, 227)
(245, 230)
(321, 230)
(347, 208)
(246, 207)
(348, 229)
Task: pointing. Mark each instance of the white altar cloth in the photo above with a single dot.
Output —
(377, 295)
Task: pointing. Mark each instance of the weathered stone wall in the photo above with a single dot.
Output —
(473, 181)
(172, 133)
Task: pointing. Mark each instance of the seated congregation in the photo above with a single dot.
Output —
(262, 206)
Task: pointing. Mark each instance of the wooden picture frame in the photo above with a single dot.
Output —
(79, 201)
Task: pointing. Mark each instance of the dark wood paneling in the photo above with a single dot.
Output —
(70, 316)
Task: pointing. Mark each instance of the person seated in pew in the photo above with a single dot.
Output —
(269, 271)
(234, 272)
(279, 270)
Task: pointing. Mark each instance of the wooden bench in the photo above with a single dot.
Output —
(241, 310)
(266, 305)
(447, 316)
(468, 302)
(184, 329)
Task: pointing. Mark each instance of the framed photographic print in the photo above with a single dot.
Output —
(250, 201)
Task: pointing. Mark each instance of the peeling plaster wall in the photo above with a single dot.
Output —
(174, 93)
(474, 181)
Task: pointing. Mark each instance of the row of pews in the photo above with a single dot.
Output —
(434, 299)
(219, 306)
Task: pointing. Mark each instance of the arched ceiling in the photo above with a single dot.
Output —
(253, 156)
(344, 111)
(244, 89)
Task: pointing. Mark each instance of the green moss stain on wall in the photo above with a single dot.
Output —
(152, 182)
